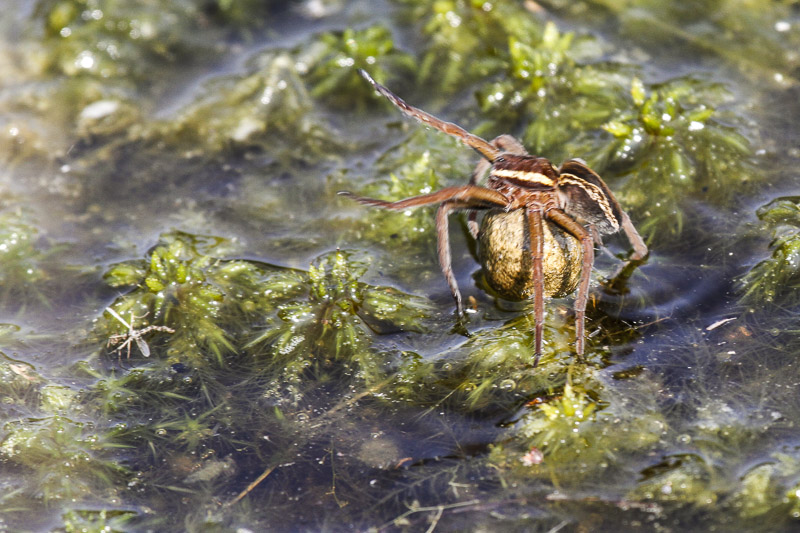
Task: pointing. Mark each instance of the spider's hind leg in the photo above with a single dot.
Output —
(537, 251)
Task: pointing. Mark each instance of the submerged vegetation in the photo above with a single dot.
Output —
(198, 334)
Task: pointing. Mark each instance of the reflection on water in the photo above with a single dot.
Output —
(180, 166)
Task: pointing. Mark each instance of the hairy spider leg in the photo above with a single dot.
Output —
(473, 141)
(451, 199)
(583, 235)
(536, 236)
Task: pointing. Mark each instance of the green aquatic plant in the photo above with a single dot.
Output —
(759, 40)
(466, 40)
(183, 288)
(682, 478)
(583, 431)
(129, 40)
(499, 361)
(337, 56)
(777, 278)
(558, 418)
(267, 106)
(64, 459)
(675, 141)
(324, 316)
(94, 521)
(550, 90)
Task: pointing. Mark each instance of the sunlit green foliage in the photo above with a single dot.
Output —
(182, 287)
(582, 431)
(325, 315)
(269, 103)
(67, 459)
(549, 91)
(499, 360)
(777, 278)
(123, 39)
(752, 36)
(93, 521)
(333, 75)
(466, 39)
(674, 144)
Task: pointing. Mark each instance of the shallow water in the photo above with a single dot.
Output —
(179, 163)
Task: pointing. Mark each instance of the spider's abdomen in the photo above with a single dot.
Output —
(506, 258)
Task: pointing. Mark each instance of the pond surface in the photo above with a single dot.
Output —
(199, 334)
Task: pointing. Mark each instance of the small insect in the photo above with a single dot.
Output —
(544, 220)
(133, 335)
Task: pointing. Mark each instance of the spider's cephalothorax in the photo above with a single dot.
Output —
(537, 237)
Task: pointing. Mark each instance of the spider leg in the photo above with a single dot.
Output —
(467, 196)
(443, 249)
(537, 252)
(580, 233)
(473, 141)
(472, 218)
(639, 247)
(451, 199)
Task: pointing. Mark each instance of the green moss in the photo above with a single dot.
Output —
(323, 316)
(183, 288)
(465, 40)
(129, 39)
(686, 479)
(582, 432)
(65, 459)
(776, 278)
(675, 142)
(336, 57)
(94, 521)
(550, 92)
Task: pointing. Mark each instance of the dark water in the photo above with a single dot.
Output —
(179, 162)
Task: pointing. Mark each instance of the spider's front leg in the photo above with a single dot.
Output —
(451, 199)
(537, 255)
(443, 249)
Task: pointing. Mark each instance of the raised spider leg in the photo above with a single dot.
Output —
(473, 141)
(537, 253)
(506, 143)
(468, 197)
(580, 233)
